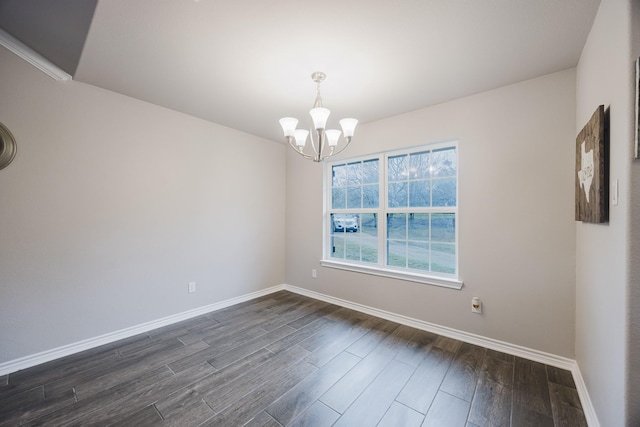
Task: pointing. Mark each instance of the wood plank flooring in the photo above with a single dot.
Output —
(289, 360)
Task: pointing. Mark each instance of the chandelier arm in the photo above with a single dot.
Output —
(332, 153)
(298, 150)
(313, 142)
(316, 149)
(321, 145)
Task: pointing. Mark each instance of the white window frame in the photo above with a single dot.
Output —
(380, 268)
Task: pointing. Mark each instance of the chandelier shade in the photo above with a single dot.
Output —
(324, 142)
(301, 137)
(348, 127)
(288, 125)
(319, 117)
(333, 135)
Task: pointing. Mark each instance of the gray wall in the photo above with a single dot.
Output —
(517, 232)
(113, 205)
(606, 269)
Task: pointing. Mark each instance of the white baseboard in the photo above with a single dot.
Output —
(504, 347)
(585, 400)
(66, 350)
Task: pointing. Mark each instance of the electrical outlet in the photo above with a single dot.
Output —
(314, 273)
(476, 305)
(192, 287)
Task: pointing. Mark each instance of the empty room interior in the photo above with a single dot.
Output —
(173, 253)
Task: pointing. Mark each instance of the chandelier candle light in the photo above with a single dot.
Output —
(325, 143)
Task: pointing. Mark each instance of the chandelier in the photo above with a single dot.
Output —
(325, 142)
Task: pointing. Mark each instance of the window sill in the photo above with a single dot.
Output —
(395, 274)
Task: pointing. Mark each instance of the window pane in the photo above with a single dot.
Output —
(354, 197)
(420, 165)
(352, 248)
(397, 168)
(418, 255)
(419, 194)
(338, 198)
(396, 253)
(397, 226)
(344, 223)
(339, 176)
(369, 225)
(338, 247)
(397, 195)
(444, 162)
(354, 173)
(444, 192)
(369, 237)
(443, 258)
(355, 237)
(443, 228)
(410, 240)
(371, 172)
(419, 226)
(371, 197)
(369, 249)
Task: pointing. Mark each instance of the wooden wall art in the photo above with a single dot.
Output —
(592, 180)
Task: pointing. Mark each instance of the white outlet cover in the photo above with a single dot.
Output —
(479, 304)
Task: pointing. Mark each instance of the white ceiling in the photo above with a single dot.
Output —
(246, 63)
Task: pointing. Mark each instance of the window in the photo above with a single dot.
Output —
(395, 214)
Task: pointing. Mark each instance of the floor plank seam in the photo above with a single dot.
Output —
(513, 392)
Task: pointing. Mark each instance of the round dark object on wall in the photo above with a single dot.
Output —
(7, 147)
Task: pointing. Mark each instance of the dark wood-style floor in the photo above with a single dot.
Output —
(288, 360)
